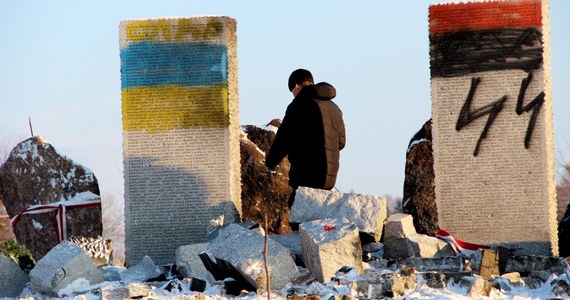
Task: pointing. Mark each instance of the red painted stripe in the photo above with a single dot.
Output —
(446, 18)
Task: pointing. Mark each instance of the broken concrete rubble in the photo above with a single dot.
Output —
(330, 244)
(61, 266)
(365, 211)
(130, 291)
(479, 287)
(12, 278)
(143, 271)
(189, 264)
(401, 240)
(291, 241)
(243, 249)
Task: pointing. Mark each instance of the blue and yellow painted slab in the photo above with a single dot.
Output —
(174, 74)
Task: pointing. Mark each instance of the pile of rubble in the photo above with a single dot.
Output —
(339, 256)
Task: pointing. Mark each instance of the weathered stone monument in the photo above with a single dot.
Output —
(48, 196)
(180, 131)
(492, 123)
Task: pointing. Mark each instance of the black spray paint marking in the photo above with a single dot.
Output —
(467, 115)
(534, 105)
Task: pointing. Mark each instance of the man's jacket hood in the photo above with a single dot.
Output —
(321, 91)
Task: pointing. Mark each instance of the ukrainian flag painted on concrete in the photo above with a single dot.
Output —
(181, 132)
(174, 74)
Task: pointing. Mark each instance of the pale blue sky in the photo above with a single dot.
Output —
(59, 64)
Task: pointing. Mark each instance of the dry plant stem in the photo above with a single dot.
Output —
(265, 257)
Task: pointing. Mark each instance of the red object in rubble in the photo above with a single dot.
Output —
(330, 227)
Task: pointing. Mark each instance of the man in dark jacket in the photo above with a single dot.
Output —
(311, 135)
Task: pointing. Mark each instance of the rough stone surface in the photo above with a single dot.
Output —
(419, 187)
(479, 288)
(262, 190)
(422, 245)
(144, 270)
(399, 226)
(291, 241)
(330, 244)
(112, 273)
(418, 245)
(489, 264)
(12, 278)
(528, 264)
(439, 264)
(402, 241)
(35, 173)
(243, 249)
(365, 211)
(99, 249)
(189, 264)
(6, 231)
(130, 291)
(64, 264)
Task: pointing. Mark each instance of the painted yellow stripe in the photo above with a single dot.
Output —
(175, 30)
(159, 109)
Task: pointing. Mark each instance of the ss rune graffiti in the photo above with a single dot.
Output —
(468, 115)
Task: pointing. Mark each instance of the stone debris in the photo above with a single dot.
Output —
(365, 211)
(62, 266)
(401, 240)
(330, 244)
(339, 264)
(129, 291)
(12, 278)
(291, 241)
(189, 263)
(479, 287)
(243, 250)
(143, 271)
(99, 249)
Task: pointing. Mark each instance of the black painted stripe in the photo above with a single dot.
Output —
(466, 52)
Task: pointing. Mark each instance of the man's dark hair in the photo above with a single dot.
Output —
(300, 76)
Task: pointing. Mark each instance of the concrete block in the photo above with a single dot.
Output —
(189, 263)
(426, 246)
(291, 241)
(130, 291)
(12, 278)
(399, 226)
(330, 244)
(489, 264)
(479, 288)
(416, 245)
(61, 266)
(244, 250)
(365, 211)
(143, 271)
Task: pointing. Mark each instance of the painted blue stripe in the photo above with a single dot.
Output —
(159, 64)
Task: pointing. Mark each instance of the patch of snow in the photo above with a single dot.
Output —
(79, 198)
(37, 225)
(79, 284)
(253, 267)
(412, 144)
(260, 151)
(271, 128)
